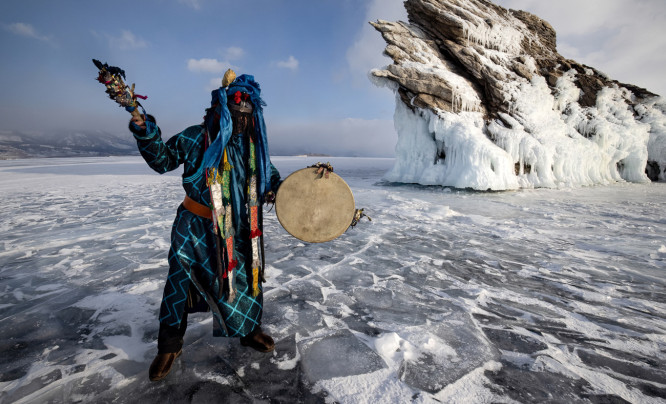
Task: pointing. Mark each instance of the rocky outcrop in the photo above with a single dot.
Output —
(497, 73)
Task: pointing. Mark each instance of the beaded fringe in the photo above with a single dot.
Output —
(219, 184)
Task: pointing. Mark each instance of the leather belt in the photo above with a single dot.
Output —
(197, 208)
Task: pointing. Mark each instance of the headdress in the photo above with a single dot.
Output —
(245, 84)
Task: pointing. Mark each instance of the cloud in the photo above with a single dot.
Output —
(346, 137)
(291, 63)
(234, 53)
(572, 17)
(26, 30)
(207, 65)
(195, 4)
(126, 41)
(214, 83)
(366, 53)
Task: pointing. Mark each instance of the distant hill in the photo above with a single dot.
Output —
(16, 145)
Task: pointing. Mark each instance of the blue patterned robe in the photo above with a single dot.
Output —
(192, 257)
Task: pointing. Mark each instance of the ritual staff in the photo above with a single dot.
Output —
(216, 258)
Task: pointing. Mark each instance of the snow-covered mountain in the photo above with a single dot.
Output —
(485, 101)
(15, 145)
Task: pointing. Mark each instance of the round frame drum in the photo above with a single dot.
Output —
(314, 208)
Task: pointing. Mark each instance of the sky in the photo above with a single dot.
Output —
(311, 59)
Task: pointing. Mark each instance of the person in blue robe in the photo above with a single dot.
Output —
(202, 266)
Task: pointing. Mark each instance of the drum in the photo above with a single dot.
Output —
(314, 208)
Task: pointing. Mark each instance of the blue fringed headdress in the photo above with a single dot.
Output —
(244, 83)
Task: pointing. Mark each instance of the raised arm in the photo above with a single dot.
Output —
(161, 156)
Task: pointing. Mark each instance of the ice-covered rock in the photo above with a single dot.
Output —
(484, 101)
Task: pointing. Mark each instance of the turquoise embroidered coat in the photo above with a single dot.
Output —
(192, 283)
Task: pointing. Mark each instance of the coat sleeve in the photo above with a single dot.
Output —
(161, 156)
(275, 179)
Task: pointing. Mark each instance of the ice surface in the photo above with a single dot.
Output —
(337, 355)
(528, 296)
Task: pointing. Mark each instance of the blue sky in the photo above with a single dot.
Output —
(310, 57)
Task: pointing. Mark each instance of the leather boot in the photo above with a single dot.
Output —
(258, 340)
(161, 365)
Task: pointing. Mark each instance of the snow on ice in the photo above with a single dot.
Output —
(534, 295)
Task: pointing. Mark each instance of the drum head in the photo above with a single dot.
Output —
(314, 208)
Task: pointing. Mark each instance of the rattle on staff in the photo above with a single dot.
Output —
(113, 78)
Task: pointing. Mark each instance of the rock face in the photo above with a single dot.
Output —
(485, 101)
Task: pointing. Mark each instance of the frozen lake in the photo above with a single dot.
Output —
(446, 296)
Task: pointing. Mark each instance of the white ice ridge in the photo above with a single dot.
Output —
(653, 113)
(548, 140)
(448, 149)
(464, 97)
(496, 36)
(490, 34)
(426, 61)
